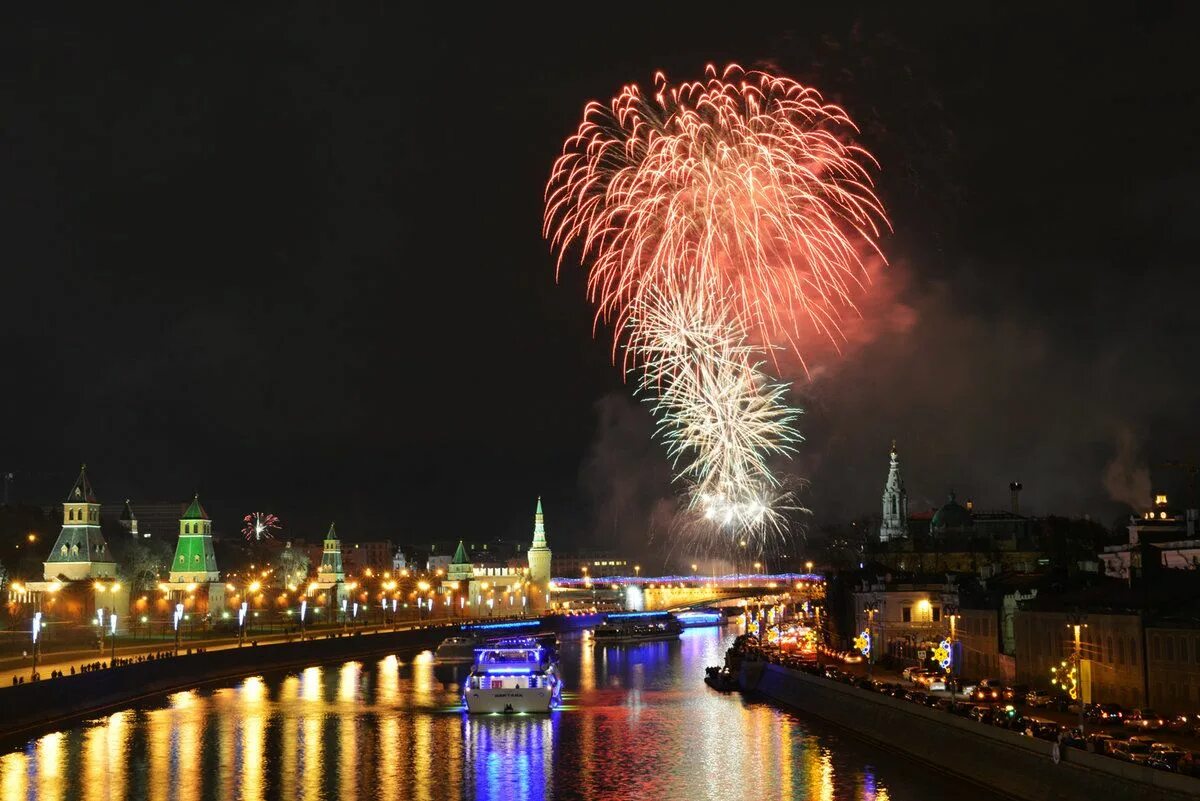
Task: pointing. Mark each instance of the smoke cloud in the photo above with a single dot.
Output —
(1126, 477)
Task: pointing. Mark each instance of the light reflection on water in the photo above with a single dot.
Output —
(638, 723)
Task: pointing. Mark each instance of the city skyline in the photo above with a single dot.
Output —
(268, 328)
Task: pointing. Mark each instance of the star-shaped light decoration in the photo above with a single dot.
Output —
(941, 654)
(862, 643)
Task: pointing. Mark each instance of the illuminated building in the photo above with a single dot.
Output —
(894, 523)
(1161, 534)
(194, 561)
(80, 551)
(496, 589)
(909, 617)
(331, 573)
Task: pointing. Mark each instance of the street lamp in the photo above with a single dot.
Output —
(242, 623)
(178, 618)
(37, 630)
(303, 611)
(112, 659)
(100, 623)
(871, 609)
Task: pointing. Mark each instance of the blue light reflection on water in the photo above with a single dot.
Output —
(637, 723)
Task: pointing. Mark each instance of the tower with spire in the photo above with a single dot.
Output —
(129, 520)
(80, 551)
(331, 559)
(460, 566)
(539, 556)
(195, 561)
(894, 525)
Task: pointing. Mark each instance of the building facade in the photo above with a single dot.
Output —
(1111, 649)
(1173, 666)
(977, 634)
(905, 619)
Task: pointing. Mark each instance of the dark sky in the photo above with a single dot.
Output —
(293, 260)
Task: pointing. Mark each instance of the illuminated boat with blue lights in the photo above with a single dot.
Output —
(622, 628)
(694, 618)
(513, 676)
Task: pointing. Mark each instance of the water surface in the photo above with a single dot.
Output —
(639, 724)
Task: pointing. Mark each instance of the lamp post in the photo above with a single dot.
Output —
(303, 611)
(871, 609)
(177, 619)
(242, 624)
(112, 620)
(345, 617)
(1078, 659)
(37, 642)
(100, 623)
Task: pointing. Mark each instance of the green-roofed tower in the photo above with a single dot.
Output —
(539, 555)
(80, 551)
(194, 562)
(460, 566)
(331, 559)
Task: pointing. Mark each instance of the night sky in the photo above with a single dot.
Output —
(293, 261)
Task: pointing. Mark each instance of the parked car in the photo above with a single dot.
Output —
(1132, 750)
(1106, 713)
(1144, 719)
(916, 696)
(1181, 723)
(1101, 743)
(1166, 760)
(936, 683)
(983, 714)
(1039, 698)
(906, 674)
(1045, 729)
(984, 694)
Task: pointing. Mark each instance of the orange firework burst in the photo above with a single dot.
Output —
(743, 186)
(721, 220)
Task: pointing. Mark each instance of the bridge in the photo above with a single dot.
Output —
(670, 592)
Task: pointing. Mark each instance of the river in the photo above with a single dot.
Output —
(637, 723)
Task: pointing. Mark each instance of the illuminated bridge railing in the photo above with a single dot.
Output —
(779, 580)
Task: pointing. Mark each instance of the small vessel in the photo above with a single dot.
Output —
(720, 679)
(621, 628)
(456, 650)
(692, 618)
(513, 676)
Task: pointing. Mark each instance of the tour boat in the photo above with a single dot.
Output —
(621, 628)
(456, 649)
(513, 676)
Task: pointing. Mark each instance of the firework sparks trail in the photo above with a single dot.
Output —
(258, 526)
(721, 220)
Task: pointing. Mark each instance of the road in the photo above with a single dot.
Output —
(18, 667)
(1186, 742)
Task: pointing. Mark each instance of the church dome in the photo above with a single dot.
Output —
(951, 516)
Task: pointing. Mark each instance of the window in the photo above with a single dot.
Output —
(937, 613)
(1156, 647)
(1133, 652)
(906, 614)
(1120, 651)
(1108, 651)
(1170, 650)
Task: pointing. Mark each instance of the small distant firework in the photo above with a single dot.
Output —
(721, 220)
(258, 526)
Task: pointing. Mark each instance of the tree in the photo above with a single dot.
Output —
(291, 566)
(141, 563)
